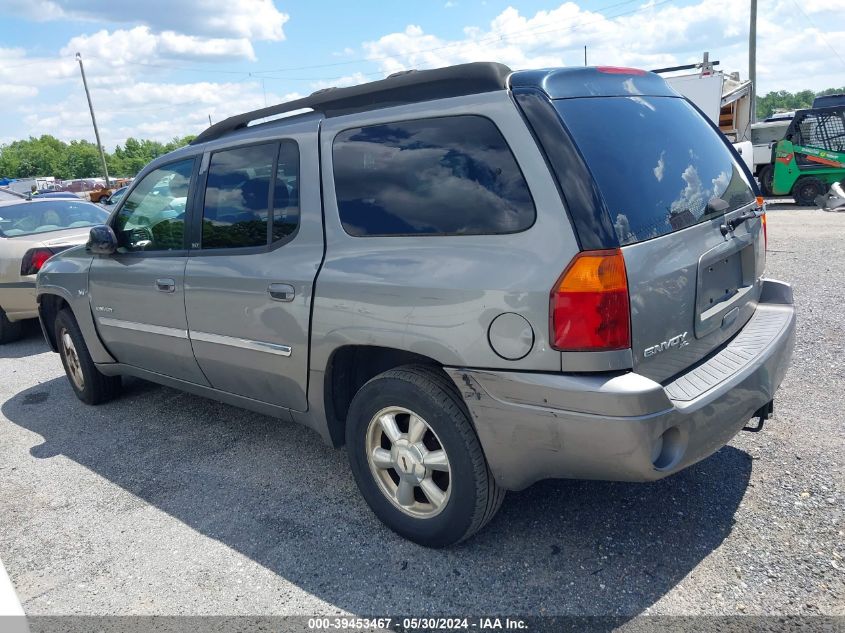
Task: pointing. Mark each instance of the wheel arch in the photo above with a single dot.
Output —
(53, 298)
(49, 305)
(348, 368)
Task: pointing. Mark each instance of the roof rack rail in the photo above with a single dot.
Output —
(398, 89)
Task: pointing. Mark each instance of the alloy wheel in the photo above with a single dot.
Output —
(74, 368)
(408, 462)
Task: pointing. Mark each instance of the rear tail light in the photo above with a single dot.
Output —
(589, 309)
(34, 259)
(761, 209)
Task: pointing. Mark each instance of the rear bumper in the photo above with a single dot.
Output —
(626, 427)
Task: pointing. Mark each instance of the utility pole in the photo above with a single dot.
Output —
(585, 55)
(93, 120)
(752, 59)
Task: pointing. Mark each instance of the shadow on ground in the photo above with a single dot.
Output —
(31, 342)
(272, 491)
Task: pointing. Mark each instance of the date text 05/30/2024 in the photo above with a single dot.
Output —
(416, 624)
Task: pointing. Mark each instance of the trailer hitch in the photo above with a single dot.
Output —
(762, 414)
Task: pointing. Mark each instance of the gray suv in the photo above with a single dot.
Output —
(471, 277)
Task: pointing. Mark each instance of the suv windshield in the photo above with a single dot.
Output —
(53, 214)
(658, 163)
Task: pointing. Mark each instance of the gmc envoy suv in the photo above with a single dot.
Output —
(472, 278)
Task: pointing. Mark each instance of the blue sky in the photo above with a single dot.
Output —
(159, 68)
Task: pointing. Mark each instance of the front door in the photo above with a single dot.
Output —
(258, 243)
(138, 293)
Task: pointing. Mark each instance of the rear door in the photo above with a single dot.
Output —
(257, 246)
(672, 188)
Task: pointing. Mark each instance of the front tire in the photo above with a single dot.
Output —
(766, 176)
(9, 330)
(807, 189)
(416, 458)
(89, 385)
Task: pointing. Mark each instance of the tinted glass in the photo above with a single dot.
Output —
(452, 175)
(286, 192)
(152, 217)
(237, 197)
(55, 214)
(658, 163)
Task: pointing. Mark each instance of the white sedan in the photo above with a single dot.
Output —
(31, 232)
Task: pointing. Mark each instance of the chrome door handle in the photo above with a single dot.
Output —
(281, 292)
(166, 285)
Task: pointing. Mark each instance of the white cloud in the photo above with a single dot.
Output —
(347, 80)
(140, 44)
(251, 19)
(791, 54)
(661, 165)
(14, 93)
(157, 111)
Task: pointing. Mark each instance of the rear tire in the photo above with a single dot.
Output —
(807, 189)
(9, 330)
(416, 458)
(766, 176)
(89, 385)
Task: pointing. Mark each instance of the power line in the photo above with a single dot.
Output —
(46, 60)
(821, 34)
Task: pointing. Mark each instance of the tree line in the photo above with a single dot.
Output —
(782, 100)
(48, 156)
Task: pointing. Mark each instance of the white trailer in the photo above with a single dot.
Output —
(723, 97)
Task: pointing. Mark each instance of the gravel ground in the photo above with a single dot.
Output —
(165, 503)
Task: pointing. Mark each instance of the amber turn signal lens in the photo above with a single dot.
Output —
(595, 271)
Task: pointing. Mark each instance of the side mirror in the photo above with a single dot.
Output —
(106, 200)
(102, 240)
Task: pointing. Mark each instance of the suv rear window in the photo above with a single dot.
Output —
(658, 163)
(440, 176)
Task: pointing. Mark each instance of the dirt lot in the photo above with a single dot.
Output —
(165, 503)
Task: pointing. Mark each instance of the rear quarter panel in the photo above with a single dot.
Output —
(436, 296)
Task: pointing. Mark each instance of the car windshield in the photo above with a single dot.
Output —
(53, 214)
(660, 166)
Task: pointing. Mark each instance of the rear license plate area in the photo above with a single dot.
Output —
(725, 277)
(720, 280)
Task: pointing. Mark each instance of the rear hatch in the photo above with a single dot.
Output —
(672, 188)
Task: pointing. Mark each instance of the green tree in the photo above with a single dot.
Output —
(82, 159)
(31, 157)
(782, 100)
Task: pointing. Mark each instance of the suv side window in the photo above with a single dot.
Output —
(153, 216)
(286, 192)
(237, 196)
(441, 176)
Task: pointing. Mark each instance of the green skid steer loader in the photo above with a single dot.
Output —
(811, 155)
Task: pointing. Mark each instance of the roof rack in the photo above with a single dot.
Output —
(412, 86)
